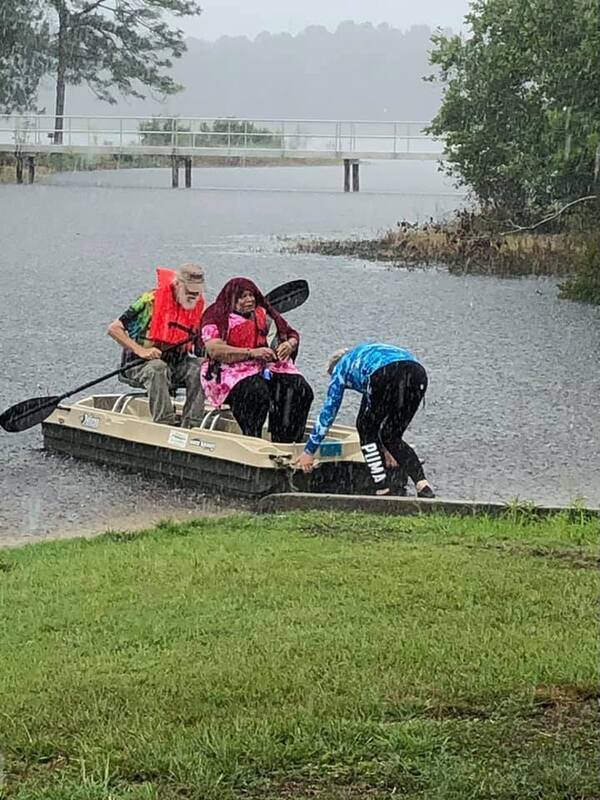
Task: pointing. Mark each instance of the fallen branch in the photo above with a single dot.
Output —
(551, 217)
(524, 228)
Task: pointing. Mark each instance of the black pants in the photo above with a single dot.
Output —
(287, 397)
(385, 413)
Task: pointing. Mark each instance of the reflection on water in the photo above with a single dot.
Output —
(513, 406)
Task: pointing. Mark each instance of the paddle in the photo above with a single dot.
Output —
(288, 296)
(28, 413)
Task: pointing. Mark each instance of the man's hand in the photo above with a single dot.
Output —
(285, 350)
(148, 353)
(305, 462)
(264, 353)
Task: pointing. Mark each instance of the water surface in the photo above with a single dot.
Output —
(513, 407)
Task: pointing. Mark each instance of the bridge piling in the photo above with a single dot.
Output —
(356, 176)
(351, 175)
(19, 169)
(346, 174)
(188, 172)
(175, 172)
(31, 167)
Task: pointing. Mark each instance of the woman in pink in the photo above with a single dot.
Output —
(251, 351)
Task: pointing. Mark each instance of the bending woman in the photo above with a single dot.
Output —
(392, 383)
(251, 351)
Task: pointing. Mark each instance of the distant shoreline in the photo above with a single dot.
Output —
(45, 167)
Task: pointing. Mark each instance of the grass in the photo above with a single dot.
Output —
(304, 656)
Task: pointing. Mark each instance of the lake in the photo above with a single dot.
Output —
(513, 407)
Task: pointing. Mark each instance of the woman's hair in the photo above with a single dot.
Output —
(335, 357)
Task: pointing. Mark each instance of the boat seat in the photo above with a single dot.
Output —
(215, 419)
(127, 402)
(220, 419)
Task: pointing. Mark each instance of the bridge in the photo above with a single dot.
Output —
(180, 139)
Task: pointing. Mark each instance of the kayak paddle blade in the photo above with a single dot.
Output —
(289, 295)
(28, 413)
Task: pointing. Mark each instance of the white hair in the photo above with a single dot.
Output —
(335, 357)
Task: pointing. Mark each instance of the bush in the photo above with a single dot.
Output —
(585, 286)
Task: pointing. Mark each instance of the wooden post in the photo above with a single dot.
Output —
(355, 176)
(19, 169)
(31, 165)
(346, 174)
(174, 172)
(188, 172)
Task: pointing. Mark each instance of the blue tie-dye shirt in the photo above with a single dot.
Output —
(353, 371)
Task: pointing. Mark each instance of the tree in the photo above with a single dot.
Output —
(521, 107)
(115, 45)
(231, 132)
(23, 53)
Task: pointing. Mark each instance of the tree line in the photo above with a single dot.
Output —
(226, 132)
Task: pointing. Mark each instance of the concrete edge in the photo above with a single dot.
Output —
(368, 504)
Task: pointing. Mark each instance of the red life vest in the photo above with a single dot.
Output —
(251, 333)
(167, 309)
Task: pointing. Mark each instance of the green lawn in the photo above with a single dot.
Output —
(304, 656)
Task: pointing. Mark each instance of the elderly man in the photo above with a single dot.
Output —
(146, 330)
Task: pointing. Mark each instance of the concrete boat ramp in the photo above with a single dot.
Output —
(404, 506)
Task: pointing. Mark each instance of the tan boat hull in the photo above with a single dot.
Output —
(118, 430)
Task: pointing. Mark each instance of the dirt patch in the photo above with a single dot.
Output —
(568, 706)
(123, 527)
(574, 558)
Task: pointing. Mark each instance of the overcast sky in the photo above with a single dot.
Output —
(251, 17)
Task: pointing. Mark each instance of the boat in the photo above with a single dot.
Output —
(118, 430)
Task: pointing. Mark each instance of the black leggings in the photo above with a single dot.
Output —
(396, 391)
(287, 397)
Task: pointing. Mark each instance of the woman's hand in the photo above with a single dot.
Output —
(305, 462)
(286, 349)
(263, 353)
(390, 461)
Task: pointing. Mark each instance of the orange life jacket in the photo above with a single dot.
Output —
(167, 309)
(252, 332)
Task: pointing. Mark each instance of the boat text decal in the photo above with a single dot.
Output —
(210, 446)
(178, 438)
(90, 421)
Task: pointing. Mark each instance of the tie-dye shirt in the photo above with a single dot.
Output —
(353, 371)
(136, 320)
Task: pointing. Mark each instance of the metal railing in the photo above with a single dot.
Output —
(203, 135)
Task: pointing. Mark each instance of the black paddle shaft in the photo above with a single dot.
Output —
(28, 413)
